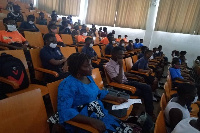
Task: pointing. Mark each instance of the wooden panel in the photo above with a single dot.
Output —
(34, 38)
(67, 51)
(24, 113)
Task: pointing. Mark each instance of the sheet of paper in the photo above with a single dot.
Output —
(126, 104)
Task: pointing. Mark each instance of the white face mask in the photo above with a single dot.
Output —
(84, 34)
(69, 27)
(113, 42)
(53, 45)
(91, 45)
(151, 57)
(157, 52)
(195, 99)
(186, 61)
(12, 27)
(31, 22)
(123, 44)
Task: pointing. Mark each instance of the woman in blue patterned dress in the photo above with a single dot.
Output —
(79, 99)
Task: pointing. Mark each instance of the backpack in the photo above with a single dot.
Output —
(13, 69)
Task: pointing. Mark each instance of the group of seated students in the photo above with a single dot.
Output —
(79, 98)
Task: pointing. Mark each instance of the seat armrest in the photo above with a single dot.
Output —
(103, 58)
(133, 71)
(54, 73)
(14, 84)
(109, 56)
(123, 86)
(4, 48)
(83, 126)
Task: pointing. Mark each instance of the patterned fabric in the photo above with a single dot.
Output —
(75, 97)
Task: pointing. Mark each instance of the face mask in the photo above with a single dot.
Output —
(53, 45)
(69, 27)
(113, 42)
(84, 34)
(195, 99)
(11, 27)
(123, 44)
(91, 45)
(31, 22)
(157, 52)
(151, 57)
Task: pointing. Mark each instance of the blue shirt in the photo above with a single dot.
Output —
(142, 63)
(47, 53)
(137, 45)
(72, 93)
(140, 55)
(26, 25)
(89, 51)
(175, 73)
(108, 49)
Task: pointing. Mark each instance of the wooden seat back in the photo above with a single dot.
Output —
(24, 113)
(53, 93)
(34, 38)
(37, 63)
(97, 78)
(97, 50)
(67, 39)
(163, 102)
(129, 64)
(160, 124)
(135, 58)
(67, 51)
(43, 28)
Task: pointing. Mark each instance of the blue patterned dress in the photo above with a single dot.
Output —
(75, 97)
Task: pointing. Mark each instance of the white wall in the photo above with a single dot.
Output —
(177, 41)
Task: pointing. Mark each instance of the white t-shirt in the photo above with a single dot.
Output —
(185, 127)
(171, 105)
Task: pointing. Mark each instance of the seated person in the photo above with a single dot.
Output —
(141, 43)
(104, 40)
(114, 68)
(100, 31)
(129, 47)
(41, 20)
(88, 50)
(104, 33)
(65, 28)
(160, 54)
(122, 45)
(118, 39)
(182, 58)
(137, 45)
(125, 38)
(16, 14)
(176, 109)
(188, 125)
(79, 99)
(109, 47)
(10, 37)
(52, 58)
(29, 24)
(82, 36)
(176, 74)
(53, 30)
(143, 50)
(54, 19)
(141, 65)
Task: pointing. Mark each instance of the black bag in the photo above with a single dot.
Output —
(13, 69)
(118, 113)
